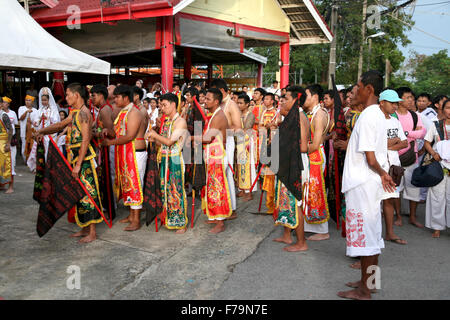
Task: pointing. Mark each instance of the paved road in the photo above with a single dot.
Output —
(241, 263)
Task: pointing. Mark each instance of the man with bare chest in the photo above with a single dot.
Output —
(131, 155)
(233, 115)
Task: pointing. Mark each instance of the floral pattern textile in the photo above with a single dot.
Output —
(174, 200)
(286, 211)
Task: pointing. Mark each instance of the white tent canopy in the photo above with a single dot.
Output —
(27, 46)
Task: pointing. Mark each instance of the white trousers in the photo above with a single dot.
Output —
(410, 192)
(13, 160)
(141, 158)
(23, 139)
(363, 219)
(230, 177)
(252, 166)
(437, 212)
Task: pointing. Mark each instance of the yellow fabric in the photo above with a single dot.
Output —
(28, 97)
(6, 99)
(269, 187)
(5, 157)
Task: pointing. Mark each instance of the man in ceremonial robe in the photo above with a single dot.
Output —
(81, 156)
(216, 200)
(174, 214)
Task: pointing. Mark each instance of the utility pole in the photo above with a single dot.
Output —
(332, 64)
(387, 73)
(363, 37)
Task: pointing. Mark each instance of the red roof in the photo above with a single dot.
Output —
(93, 11)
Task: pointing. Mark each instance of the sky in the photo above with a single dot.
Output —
(432, 16)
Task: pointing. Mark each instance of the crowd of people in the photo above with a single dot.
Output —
(340, 155)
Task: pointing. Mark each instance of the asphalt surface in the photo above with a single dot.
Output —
(241, 263)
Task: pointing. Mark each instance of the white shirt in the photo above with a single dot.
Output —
(394, 130)
(440, 146)
(274, 91)
(13, 118)
(153, 115)
(369, 134)
(428, 124)
(430, 114)
(23, 123)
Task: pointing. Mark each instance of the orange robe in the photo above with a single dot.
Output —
(269, 178)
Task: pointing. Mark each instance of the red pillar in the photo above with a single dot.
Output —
(187, 64)
(259, 79)
(284, 70)
(210, 74)
(167, 54)
(58, 84)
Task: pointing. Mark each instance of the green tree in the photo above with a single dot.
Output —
(314, 58)
(431, 74)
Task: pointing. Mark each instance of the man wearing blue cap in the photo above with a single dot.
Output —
(364, 178)
(397, 140)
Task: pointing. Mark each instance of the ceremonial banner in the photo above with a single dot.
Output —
(291, 166)
(55, 189)
(105, 184)
(152, 186)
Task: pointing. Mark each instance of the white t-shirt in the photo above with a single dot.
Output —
(430, 114)
(153, 116)
(394, 130)
(433, 135)
(369, 134)
(274, 91)
(427, 124)
(23, 123)
(13, 117)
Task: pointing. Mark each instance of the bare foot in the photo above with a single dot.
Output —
(398, 222)
(296, 247)
(233, 216)
(180, 231)
(88, 238)
(354, 294)
(356, 265)
(210, 221)
(240, 194)
(356, 285)
(396, 240)
(10, 190)
(247, 198)
(81, 233)
(318, 237)
(218, 228)
(436, 234)
(133, 227)
(125, 220)
(416, 224)
(283, 239)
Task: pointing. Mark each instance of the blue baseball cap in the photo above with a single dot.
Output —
(390, 95)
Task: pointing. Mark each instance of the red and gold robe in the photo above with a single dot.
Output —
(318, 212)
(216, 200)
(127, 182)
